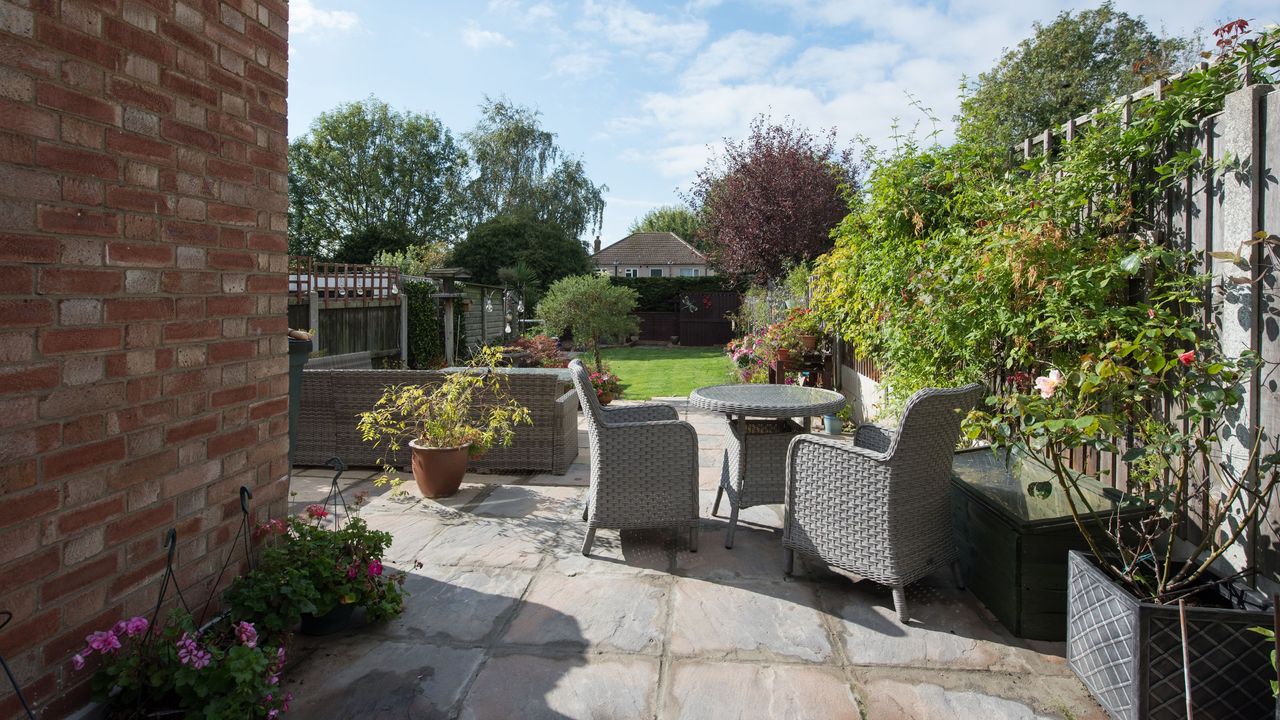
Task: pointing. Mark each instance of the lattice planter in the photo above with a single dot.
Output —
(1129, 653)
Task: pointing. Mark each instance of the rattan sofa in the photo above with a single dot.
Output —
(333, 398)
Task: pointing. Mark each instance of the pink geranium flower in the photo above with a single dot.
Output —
(375, 567)
(317, 511)
(77, 661)
(103, 641)
(135, 626)
(1048, 385)
(246, 634)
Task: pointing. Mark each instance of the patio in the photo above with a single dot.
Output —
(507, 619)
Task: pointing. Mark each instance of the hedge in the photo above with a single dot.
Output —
(659, 294)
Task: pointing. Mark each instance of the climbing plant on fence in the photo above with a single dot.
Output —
(954, 266)
(426, 343)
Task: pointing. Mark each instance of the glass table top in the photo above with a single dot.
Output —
(767, 400)
(1014, 485)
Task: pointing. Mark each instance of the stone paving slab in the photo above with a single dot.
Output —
(748, 621)
(948, 629)
(607, 614)
(533, 687)
(729, 691)
(461, 605)
(945, 695)
(520, 501)
(372, 677)
(578, 475)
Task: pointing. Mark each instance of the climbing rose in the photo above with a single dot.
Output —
(1187, 357)
(103, 641)
(375, 567)
(1049, 385)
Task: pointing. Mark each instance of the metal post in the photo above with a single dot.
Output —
(313, 317)
(404, 329)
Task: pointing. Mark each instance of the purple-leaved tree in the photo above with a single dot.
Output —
(772, 198)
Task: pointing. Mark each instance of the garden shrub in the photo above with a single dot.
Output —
(426, 342)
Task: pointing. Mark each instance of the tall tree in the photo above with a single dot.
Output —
(544, 249)
(363, 166)
(772, 198)
(669, 218)
(519, 168)
(1074, 64)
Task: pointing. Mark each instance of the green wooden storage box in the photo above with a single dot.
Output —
(1013, 545)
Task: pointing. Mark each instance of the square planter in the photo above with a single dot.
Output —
(1129, 653)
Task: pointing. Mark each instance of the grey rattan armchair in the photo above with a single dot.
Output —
(879, 507)
(644, 466)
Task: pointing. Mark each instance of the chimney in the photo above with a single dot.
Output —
(597, 244)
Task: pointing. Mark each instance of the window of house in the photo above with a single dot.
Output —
(655, 272)
(688, 272)
(631, 272)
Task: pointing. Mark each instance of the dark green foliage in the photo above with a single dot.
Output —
(362, 165)
(594, 309)
(364, 244)
(662, 294)
(426, 343)
(1067, 68)
(548, 252)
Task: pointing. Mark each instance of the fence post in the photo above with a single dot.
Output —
(1241, 300)
(313, 317)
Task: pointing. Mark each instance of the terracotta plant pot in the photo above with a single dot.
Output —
(438, 471)
(783, 355)
(605, 398)
(809, 342)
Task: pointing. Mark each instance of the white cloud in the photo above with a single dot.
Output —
(477, 38)
(305, 17)
(580, 65)
(659, 40)
(740, 55)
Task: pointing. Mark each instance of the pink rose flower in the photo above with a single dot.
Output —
(1048, 385)
(1151, 313)
(1187, 357)
(375, 567)
(103, 641)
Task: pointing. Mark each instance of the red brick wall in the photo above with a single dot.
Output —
(142, 307)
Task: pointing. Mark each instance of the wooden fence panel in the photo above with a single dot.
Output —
(658, 326)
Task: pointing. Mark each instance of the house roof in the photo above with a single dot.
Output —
(650, 248)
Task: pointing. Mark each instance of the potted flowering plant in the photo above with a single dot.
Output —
(606, 385)
(1123, 617)
(806, 326)
(779, 340)
(747, 354)
(315, 577)
(223, 671)
(443, 424)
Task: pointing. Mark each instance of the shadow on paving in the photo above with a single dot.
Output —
(425, 663)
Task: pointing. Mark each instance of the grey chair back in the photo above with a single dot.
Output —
(930, 424)
(586, 393)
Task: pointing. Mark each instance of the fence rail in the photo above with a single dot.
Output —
(341, 283)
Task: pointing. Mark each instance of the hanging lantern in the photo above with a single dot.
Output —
(508, 327)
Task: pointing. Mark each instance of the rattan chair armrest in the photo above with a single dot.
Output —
(651, 412)
(874, 437)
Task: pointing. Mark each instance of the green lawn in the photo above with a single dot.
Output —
(649, 372)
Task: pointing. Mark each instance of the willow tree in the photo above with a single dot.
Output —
(518, 168)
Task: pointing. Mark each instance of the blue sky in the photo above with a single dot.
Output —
(641, 90)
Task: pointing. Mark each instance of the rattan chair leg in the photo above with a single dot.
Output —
(959, 576)
(900, 602)
(788, 561)
(733, 525)
(585, 508)
(715, 509)
(586, 543)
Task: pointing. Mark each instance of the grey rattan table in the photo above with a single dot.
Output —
(755, 459)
